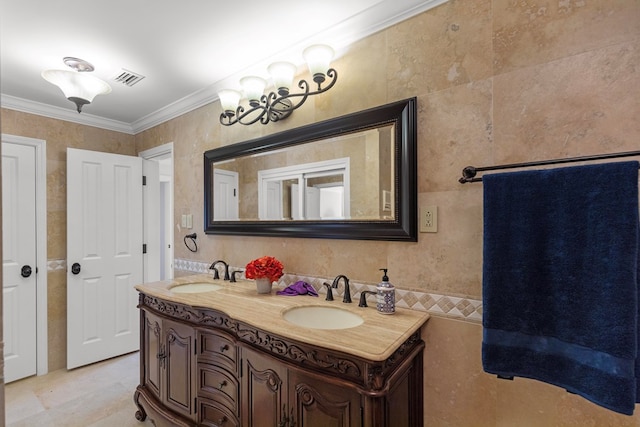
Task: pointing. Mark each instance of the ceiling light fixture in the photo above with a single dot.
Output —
(278, 104)
(78, 86)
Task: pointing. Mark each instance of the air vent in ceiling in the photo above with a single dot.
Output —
(128, 78)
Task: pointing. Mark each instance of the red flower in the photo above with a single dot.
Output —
(266, 266)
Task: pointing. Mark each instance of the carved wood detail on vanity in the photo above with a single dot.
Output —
(372, 375)
(227, 372)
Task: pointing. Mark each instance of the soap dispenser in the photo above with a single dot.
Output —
(386, 295)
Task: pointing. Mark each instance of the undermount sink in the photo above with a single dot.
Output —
(194, 288)
(318, 317)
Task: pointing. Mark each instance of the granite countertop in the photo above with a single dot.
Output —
(375, 339)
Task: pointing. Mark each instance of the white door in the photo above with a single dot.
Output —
(225, 195)
(312, 203)
(273, 200)
(104, 255)
(152, 230)
(19, 260)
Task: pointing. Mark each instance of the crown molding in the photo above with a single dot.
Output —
(371, 21)
(32, 107)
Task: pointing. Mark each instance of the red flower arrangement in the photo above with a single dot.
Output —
(267, 266)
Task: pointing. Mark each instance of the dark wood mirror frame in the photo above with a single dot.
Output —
(404, 227)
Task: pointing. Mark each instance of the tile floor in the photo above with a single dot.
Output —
(98, 395)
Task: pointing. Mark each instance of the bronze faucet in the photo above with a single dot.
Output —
(233, 275)
(347, 291)
(363, 298)
(216, 275)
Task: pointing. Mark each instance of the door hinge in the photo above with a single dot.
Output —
(234, 192)
(195, 346)
(195, 405)
(144, 180)
(144, 248)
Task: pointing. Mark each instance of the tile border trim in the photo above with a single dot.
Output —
(437, 304)
(452, 306)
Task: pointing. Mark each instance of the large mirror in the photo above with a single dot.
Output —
(352, 177)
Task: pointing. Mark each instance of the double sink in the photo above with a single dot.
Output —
(311, 316)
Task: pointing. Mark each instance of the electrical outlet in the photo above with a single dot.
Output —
(428, 219)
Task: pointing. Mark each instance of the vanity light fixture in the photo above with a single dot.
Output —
(280, 103)
(78, 86)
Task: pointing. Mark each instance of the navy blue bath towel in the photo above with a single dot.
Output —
(560, 279)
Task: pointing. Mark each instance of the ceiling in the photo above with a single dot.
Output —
(186, 50)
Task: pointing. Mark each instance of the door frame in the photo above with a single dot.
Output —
(151, 154)
(40, 145)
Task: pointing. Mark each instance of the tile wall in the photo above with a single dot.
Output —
(497, 81)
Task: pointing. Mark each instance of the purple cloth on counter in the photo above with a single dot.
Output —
(298, 288)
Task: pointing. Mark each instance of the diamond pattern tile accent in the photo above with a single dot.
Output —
(442, 305)
(56, 264)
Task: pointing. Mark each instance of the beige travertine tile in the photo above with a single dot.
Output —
(57, 319)
(449, 261)
(456, 131)
(530, 33)
(569, 107)
(96, 395)
(457, 392)
(525, 402)
(445, 47)
(497, 81)
(57, 233)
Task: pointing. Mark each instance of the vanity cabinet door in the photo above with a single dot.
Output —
(263, 390)
(151, 351)
(322, 402)
(180, 368)
(169, 363)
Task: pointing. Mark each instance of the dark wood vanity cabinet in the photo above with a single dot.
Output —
(167, 363)
(218, 380)
(233, 374)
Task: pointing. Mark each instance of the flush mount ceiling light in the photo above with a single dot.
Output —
(278, 104)
(78, 86)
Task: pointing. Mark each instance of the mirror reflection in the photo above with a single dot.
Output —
(351, 177)
(338, 178)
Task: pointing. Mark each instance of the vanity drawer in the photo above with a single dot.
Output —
(219, 385)
(219, 349)
(212, 414)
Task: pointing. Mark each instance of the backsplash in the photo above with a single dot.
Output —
(436, 304)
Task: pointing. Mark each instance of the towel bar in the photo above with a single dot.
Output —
(469, 173)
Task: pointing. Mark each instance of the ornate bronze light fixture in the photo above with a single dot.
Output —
(278, 104)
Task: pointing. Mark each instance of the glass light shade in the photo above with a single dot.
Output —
(282, 74)
(318, 58)
(229, 99)
(253, 87)
(77, 85)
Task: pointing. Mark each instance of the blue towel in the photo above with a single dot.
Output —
(560, 279)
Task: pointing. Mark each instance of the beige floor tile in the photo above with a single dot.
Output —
(96, 395)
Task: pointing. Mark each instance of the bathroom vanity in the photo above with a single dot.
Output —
(227, 356)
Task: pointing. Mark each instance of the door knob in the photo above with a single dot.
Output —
(25, 271)
(75, 268)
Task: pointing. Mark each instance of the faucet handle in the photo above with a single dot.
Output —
(329, 292)
(233, 275)
(363, 298)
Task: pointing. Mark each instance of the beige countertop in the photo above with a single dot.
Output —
(375, 339)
